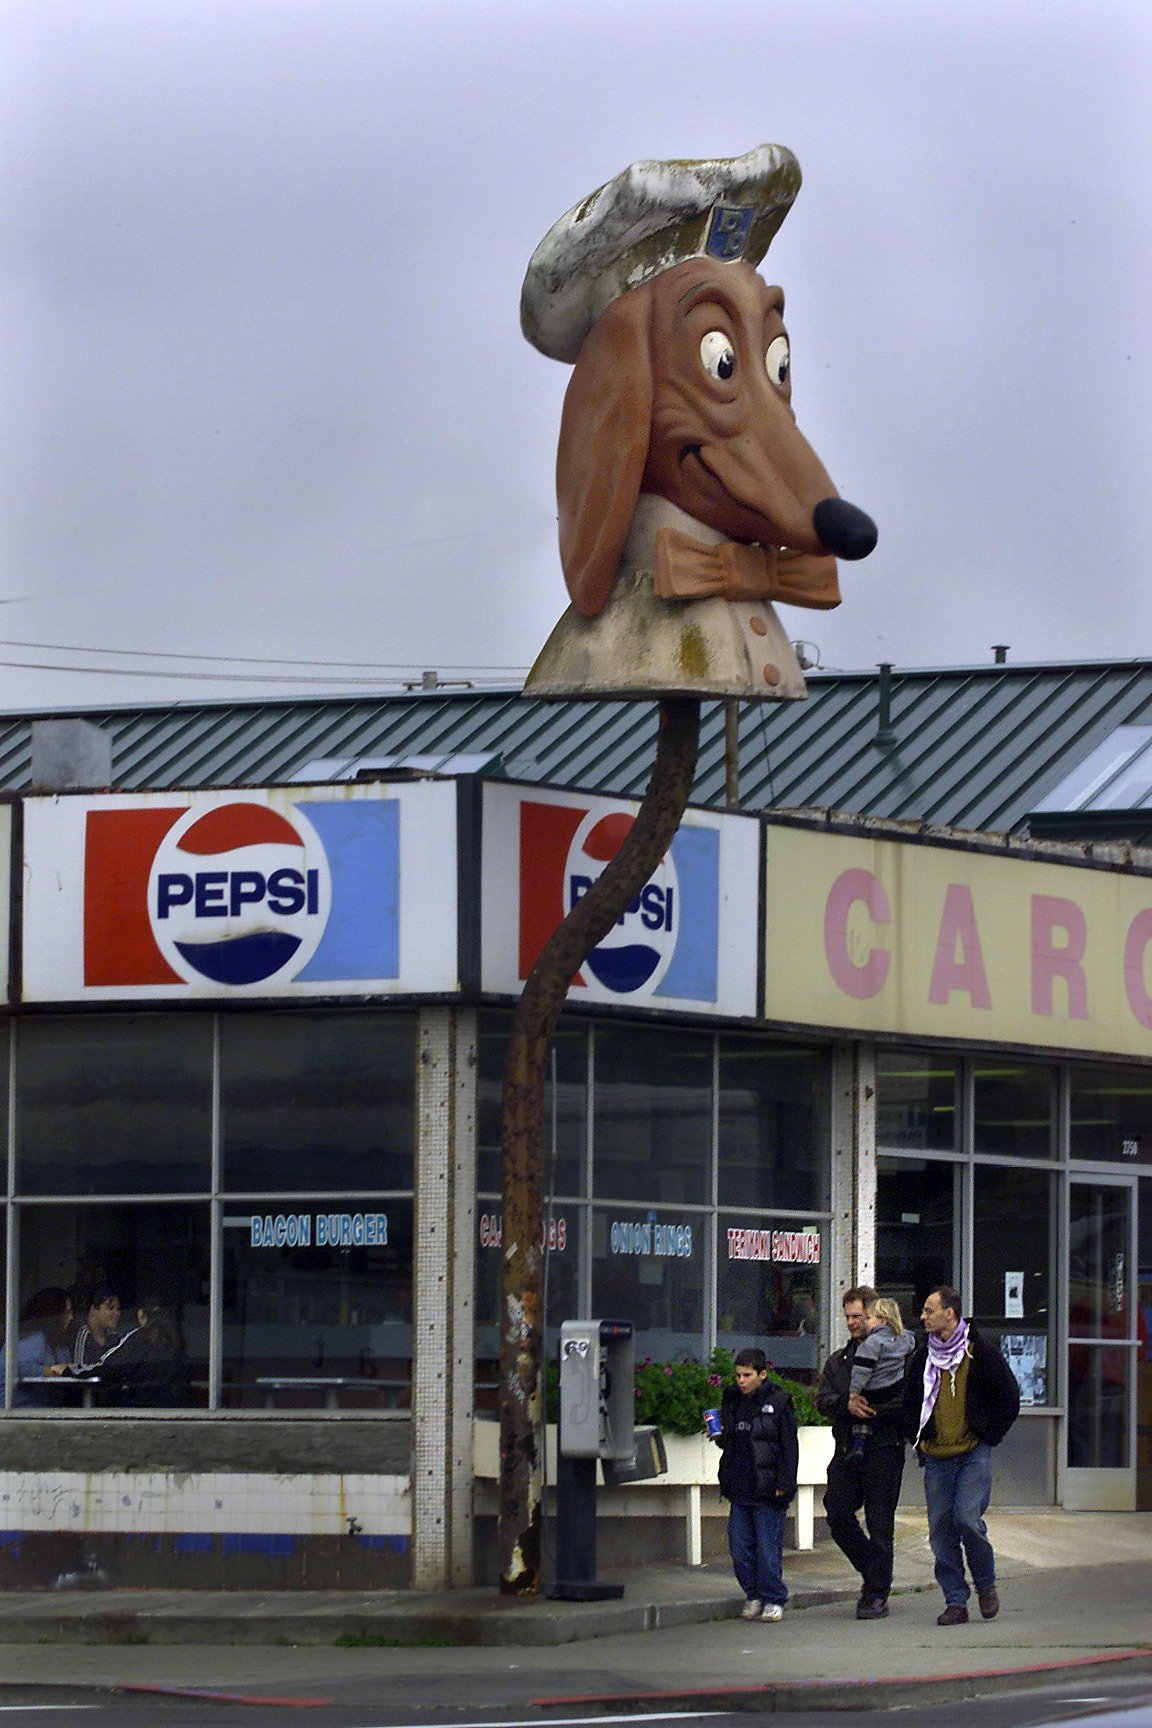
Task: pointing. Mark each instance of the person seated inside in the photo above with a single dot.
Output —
(40, 1348)
(100, 1327)
(147, 1368)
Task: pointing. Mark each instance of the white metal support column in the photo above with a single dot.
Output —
(443, 1301)
(841, 1247)
(865, 1164)
(463, 1309)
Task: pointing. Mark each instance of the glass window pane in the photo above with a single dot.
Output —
(1013, 1271)
(1097, 1427)
(769, 1290)
(917, 1241)
(317, 1102)
(318, 1306)
(773, 1136)
(114, 1104)
(1098, 1271)
(154, 1254)
(652, 1130)
(1111, 1115)
(565, 1105)
(1014, 1108)
(648, 1267)
(916, 1101)
(561, 1285)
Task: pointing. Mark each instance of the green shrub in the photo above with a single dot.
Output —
(673, 1396)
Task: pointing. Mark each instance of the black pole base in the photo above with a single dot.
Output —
(578, 1592)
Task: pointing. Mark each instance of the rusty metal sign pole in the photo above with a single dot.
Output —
(533, 1028)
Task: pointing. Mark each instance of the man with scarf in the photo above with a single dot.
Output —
(960, 1399)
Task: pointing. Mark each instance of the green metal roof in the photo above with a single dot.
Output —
(966, 747)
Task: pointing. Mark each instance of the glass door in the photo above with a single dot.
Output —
(1100, 1472)
(917, 1229)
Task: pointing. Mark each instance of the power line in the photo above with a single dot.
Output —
(409, 676)
(406, 667)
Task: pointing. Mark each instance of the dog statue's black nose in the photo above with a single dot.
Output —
(846, 531)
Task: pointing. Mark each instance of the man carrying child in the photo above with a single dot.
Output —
(866, 1480)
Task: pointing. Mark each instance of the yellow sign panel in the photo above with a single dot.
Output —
(878, 935)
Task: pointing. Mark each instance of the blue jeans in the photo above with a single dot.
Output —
(756, 1543)
(957, 1492)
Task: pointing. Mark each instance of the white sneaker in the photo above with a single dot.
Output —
(773, 1612)
(752, 1609)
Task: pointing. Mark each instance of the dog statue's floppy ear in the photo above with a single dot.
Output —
(603, 448)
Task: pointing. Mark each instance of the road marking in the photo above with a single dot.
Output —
(582, 1721)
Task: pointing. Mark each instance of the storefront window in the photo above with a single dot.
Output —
(563, 1233)
(148, 1254)
(314, 1102)
(917, 1095)
(917, 1229)
(653, 1115)
(565, 1106)
(114, 1104)
(649, 1267)
(317, 1305)
(773, 1130)
(1014, 1109)
(1111, 1115)
(1013, 1271)
(769, 1289)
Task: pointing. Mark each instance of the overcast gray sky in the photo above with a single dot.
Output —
(263, 391)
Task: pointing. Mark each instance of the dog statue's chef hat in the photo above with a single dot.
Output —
(652, 216)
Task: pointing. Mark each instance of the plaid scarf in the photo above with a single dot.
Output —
(941, 1356)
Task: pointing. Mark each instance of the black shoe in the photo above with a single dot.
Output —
(989, 1602)
(954, 1615)
(872, 1608)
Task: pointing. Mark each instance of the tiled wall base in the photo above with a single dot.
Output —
(68, 1561)
(209, 1531)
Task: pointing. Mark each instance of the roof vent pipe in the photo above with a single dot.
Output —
(885, 735)
(1000, 652)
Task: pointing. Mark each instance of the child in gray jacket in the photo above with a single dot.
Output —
(879, 1363)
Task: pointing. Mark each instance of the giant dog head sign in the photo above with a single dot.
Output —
(688, 499)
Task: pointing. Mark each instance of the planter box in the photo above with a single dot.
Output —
(692, 1465)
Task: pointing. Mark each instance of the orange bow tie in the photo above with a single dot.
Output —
(687, 569)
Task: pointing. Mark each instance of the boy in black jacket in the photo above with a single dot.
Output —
(761, 1458)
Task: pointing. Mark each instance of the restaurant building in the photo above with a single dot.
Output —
(887, 1019)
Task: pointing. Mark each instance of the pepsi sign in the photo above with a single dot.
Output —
(665, 944)
(297, 891)
(241, 894)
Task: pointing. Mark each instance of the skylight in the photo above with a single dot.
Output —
(1117, 775)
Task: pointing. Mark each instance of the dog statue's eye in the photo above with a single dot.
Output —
(778, 360)
(718, 355)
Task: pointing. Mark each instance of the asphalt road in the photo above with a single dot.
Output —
(1124, 1702)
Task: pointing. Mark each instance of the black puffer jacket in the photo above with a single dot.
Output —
(992, 1397)
(761, 1449)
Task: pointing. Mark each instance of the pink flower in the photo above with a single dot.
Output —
(667, 1370)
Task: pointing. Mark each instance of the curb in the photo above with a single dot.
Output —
(800, 1695)
(495, 1623)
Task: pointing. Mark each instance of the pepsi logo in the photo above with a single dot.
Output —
(239, 894)
(637, 951)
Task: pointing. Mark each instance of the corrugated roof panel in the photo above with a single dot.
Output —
(973, 747)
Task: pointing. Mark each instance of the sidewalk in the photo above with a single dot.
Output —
(1076, 1592)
